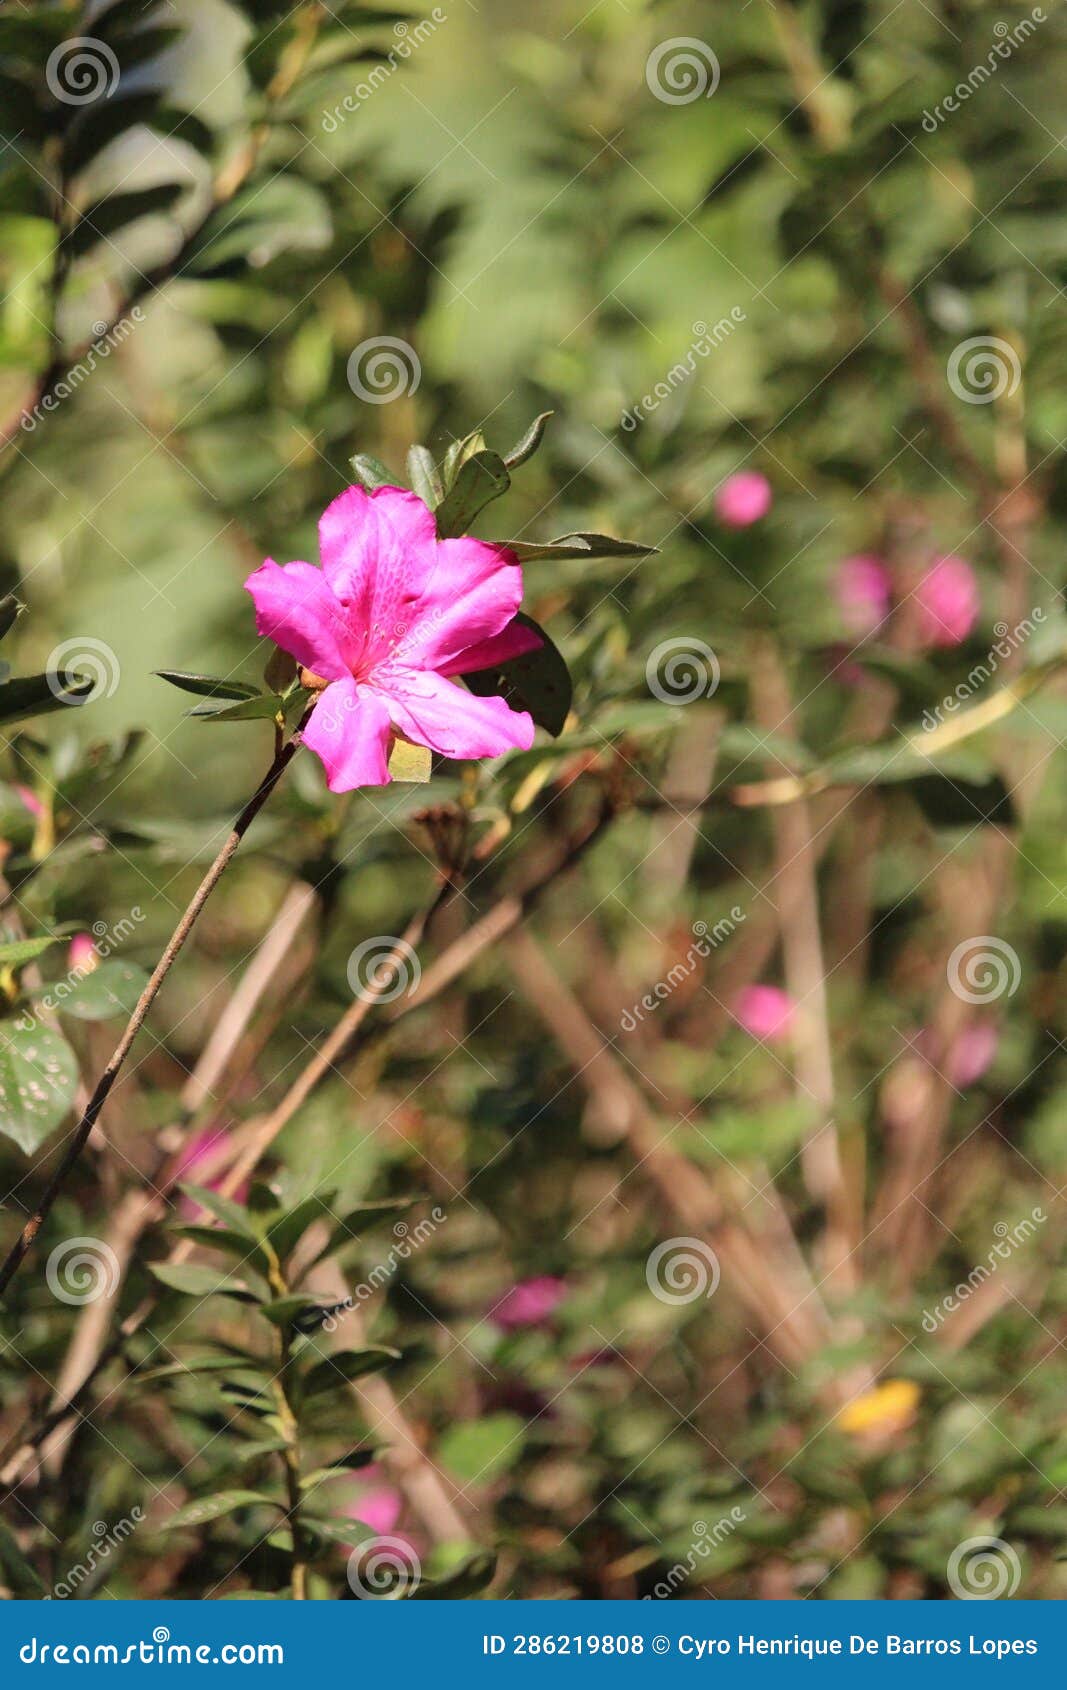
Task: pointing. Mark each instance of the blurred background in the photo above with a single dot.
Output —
(746, 1124)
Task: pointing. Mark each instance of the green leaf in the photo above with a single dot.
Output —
(259, 708)
(36, 695)
(283, 214)
(371, 472)
(195, 1280)
(38, 1080)
(530, 441)
(344, 1366)
(472, 1575)
(422, 473)
(480, 1450)
(18, 1575)
(408, 762)
(230, 1213)
(539, 682)
(305, 1314)
(480, 479)
(15, 952)
(207, 686)
(352, 1533)
(116, 211)
(10, 611)
(220, 1238)
(578, 545)
(215, 1507)
(111, 988)
(286, 1231)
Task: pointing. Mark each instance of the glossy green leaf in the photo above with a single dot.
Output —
(37, 695)
(111, 988)
(531, 440)
(225, 1502)
(38, 1080)
(344, 1366)
(539, 682)
(479, 480)
(207, 686)
(195, 1280)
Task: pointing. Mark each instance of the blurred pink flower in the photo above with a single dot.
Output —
(31, 801)
(971, 1054)
(948, 602)
(379, 1509)
(765, 1012)
(528, 1303)
(82, 953)
(191, 1160)
(393, 613)
(863, 592)
(743, 498)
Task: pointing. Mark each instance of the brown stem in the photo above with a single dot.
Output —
(82, 1132)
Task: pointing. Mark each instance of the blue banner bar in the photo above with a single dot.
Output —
(492, 1643)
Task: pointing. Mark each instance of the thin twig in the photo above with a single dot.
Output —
(16, 1255)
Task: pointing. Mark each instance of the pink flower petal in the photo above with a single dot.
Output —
(296, 609)
(765, 1012)
(349, 731)
(514, 641)
(948, 602)
(743, 499)
(449, 719)
(378, 1509)
(528, 1303)
(472, 595)
(863, 592)
(378, 552)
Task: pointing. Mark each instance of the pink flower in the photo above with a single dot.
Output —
(971, 1054)
(765, 1012)
(379, 1509)
(200, 1149)
(393, 613)
(31, 801)
(948, 602)
(863, 592)
(528, 1303)
(743, 498)
(81, 956)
